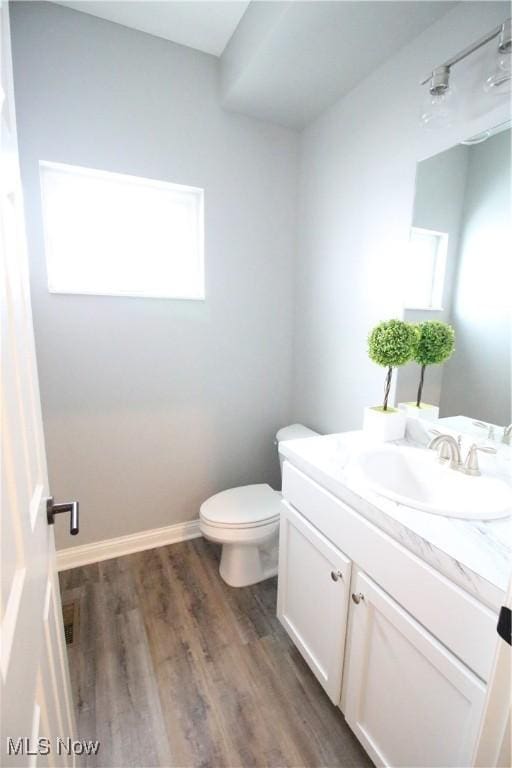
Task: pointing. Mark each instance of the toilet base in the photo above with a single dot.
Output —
(245, 564)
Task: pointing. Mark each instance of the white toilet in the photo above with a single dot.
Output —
(245, 521)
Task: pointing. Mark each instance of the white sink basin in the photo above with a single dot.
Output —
(414, 477)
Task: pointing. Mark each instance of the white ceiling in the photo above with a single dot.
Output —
(201, 24)
(284, 61)
(314, 52)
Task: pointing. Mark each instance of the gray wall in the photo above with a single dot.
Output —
(358, 165)
(152, 405)
(438, 203)
(477, 380)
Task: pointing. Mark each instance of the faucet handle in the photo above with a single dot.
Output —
(486, 449)
(488, 427)
(471, 466)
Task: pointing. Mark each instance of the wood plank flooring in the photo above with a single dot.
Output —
(171, 667)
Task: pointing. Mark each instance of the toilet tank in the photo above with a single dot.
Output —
(293, 432)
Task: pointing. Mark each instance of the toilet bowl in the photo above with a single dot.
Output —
(245, 520)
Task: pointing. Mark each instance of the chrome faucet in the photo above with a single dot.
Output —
(448, 449)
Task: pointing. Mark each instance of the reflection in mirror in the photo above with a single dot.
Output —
(459, 270)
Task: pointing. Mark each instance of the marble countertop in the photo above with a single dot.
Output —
(475, 554)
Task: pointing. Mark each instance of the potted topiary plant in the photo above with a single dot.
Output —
(435, 344)
(390, 344)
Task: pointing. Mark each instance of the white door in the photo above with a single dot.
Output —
(36, 700)
(312, 600)
(409, 701)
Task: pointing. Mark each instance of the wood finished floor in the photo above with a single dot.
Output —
(171, 667)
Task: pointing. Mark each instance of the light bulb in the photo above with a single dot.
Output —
(498, 81)
(438, 109)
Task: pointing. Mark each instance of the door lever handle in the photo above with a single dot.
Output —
(53, 509)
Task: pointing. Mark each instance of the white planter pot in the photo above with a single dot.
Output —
(425, 411)
(384, 425)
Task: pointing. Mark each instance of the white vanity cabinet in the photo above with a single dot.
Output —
(313, 594)
(410, 671)
(409, 701)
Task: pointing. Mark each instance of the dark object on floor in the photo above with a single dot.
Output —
(70, 617)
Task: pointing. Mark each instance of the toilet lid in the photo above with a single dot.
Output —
(244, 507)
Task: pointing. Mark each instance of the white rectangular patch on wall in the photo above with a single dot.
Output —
(118, 235)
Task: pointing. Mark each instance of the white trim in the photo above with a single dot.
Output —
(125, 295)
(142, 181)
(71, 557)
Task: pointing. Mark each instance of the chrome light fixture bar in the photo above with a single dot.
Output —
(440, 76)
(439, 107)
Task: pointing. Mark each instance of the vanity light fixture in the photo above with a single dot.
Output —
(439, 106)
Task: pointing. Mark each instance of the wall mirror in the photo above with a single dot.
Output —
(459, 270)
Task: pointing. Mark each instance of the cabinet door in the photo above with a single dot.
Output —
(313, 592)
(409, 701)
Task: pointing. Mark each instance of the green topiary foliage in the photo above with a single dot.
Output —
(392, 344)
(435, 344)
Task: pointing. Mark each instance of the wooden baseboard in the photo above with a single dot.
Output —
(71, 557)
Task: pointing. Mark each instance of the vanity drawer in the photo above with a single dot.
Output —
(460, 622)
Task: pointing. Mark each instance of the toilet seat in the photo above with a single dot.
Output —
(246, 522)
(250, 506)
